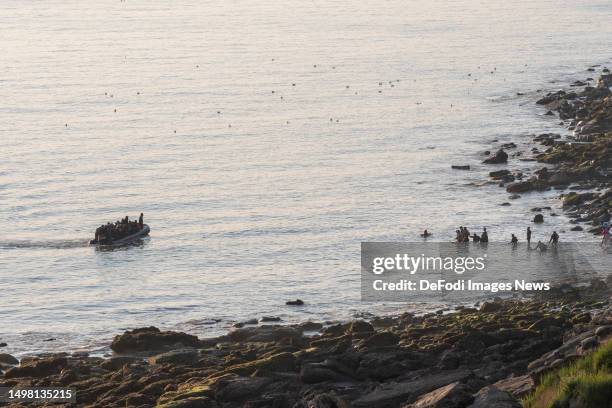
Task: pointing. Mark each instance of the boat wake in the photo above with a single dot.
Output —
(49, 244)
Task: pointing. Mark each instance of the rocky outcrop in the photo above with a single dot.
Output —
(433, 360)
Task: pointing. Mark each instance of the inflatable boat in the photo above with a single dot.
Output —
(128, 239)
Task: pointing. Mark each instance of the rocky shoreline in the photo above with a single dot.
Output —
(579, 166)
(473, 357)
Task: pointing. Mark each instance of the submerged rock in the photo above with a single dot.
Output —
(498, 158)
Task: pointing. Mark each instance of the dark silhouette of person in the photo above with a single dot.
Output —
(475, 238)
(554, 238)
(514, 240)
(484, 237)
(528, 236)
(141, 220)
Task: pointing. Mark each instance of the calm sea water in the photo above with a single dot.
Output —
(264, 141)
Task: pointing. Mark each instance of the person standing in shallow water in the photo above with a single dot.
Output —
(484, 237)
(528, 236)
(141, 220)
(554, 239)
(514, 240)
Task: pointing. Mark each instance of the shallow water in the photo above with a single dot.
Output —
(175, 109)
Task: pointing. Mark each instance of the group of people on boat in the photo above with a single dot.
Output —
(120, 229)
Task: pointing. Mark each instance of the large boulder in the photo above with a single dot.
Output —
(39, 367)
(148, 339)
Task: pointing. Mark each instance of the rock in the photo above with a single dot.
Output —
(38, 368)
(450, 396)
(603, 331)
(496, 175)
(490, 307)
(151, 339)
(490, 396)
(539, 218)
(381, 339)
(577, 228)
(235, 388)
(266, 334)
(517, 386)
(8, 359)
(267, 319)
(460, 167)
(514, 197)
(177, 357)
(499, 157)
(589, 343)
(3, 345)
(506, 204)
(545, 323)
(313, 373)
(117, 362)
(360, 326)
(391, 394)
(296, 302)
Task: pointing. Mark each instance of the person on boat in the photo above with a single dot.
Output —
(514, 240)
(528, 236)
(554, 238)
(484, 237)
(141, 221)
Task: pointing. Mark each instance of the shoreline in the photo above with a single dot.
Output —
(577, 166)
(384, 362)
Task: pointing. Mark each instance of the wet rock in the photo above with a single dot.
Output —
(360, 326)
(297, 302)
(37, 368)
(8, 359)
(538, 219)
(268, 319)
(492, 397)
(460, 167)
(498, 158)
(450, 396)
(3, 344)
(499, 174)
(577, 228)
(151, 339)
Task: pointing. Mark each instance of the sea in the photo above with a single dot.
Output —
(263, 141)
